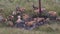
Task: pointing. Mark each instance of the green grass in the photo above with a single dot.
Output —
(52, 28)
(44, 29)
(10, 5)
(21, 31)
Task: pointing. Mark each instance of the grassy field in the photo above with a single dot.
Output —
(10, 5)
(9, 30)
(53, 28)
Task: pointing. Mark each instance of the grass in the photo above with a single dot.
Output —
(51, 28)
(44, 29)
(21, 31)
(10, 5)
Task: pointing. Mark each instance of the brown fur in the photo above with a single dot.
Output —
(30, 23)
(53, 13)
(58, 19)
(10, 23)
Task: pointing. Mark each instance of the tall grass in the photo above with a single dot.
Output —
(10, 5)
